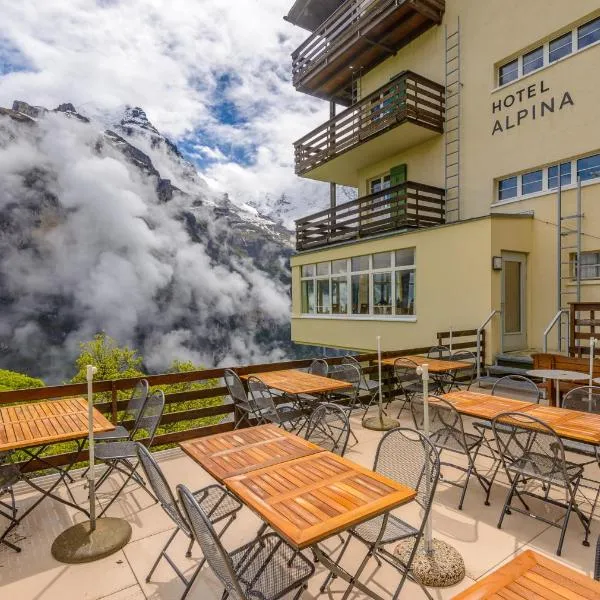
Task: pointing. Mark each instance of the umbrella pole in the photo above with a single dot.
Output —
(592, 351)
(381, 422)
(436, 563)
(91, 371)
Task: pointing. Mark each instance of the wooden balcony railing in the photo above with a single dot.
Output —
(408, 98)
(408, 205)
(356, 37)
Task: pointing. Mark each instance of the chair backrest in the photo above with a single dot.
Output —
(318, 366)
(150, 417)
(523, 387)
(445, 422)
(161, 488)
(136, 401)
(346, 372)
(439, 352)
(524, 440)
(212, 549)
(466, 375)
(405, 372)
(329, 427)
(235, 387)
(585, 398)
(418, 458)
(261, 398)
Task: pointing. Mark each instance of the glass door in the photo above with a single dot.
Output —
(514, 317)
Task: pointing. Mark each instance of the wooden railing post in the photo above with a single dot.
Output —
(114, 397)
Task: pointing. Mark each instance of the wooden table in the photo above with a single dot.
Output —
(294, 382)
(531, 575)
(38, 425)
(435, 365)
(45, 423)
(236, 452)
(571, 424)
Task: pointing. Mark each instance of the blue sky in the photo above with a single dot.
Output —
(215, 77)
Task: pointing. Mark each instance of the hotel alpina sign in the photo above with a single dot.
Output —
(529, 103)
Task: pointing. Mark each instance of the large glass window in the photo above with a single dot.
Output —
(508, 72)
(382, 293)
(588, 34)
(565, 175)
(532, 182)
(339, 295)
(533, 60)
(589, 167)
(560, 47)
(383, 260)
(507, 188)
(405, 292)
(308, 296)
(361, 293)
(360, 263)
(323, 297)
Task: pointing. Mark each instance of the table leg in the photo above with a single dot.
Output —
(557, 384)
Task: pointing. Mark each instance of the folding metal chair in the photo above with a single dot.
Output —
(329, 427)
(419, 468)
(217, 503)
(531, 452)
(347, 399)
(369, 386)
(585, 399)
(267, 411)
(267, 568)
(244, 410)
(9, 475)
(408, 383)
(462, 379)
(122, 456)
(447, 434)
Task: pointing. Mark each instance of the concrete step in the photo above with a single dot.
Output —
(520, 361)
(501, 370)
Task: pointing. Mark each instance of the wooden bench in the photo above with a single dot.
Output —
(566, 363)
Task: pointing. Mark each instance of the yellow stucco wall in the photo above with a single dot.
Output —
(454, 284)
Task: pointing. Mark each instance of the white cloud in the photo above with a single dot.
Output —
(168, 56)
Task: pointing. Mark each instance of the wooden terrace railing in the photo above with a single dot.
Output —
(408, 205)
(408, 98)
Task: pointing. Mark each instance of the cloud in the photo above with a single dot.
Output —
(215, 76)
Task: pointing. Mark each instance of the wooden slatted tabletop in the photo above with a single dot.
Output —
(291, 381)
(531, 575)
(236, 452)
(53, 421)
(435, 365)
(484, 406)
(309, 499)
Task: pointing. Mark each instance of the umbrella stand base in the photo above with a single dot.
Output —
(79, 544)
(380, 423)
(442, 568)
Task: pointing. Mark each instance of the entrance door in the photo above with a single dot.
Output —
(514, 314)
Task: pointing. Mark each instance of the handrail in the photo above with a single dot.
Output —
(548, 329)
(479, 330)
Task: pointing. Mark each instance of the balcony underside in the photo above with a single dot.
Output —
(344, 165)
(326, 67)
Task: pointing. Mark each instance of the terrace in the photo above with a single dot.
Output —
(473, 531)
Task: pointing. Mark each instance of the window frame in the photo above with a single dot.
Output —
(596, 265)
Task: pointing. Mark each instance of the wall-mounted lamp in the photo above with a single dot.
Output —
(497, 263)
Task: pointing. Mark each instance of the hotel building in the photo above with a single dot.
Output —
(471, 131)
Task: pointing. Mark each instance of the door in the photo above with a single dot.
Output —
(514, 301)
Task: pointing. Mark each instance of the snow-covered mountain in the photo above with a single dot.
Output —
(112, 229)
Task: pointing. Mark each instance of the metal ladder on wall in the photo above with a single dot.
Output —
(453, 120)
(568, 261)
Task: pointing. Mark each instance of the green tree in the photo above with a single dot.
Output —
(11, 380)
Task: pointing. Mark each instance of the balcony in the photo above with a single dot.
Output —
(406, 206)
(359, 35)
(412, 103)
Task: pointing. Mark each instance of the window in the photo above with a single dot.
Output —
(379, 183)
(509, 72)
(381, 284)
(533, 60)
(565, 175)
(588, 34)
(589, 167)
(549, 52)
(560, 47)
(532, 182)
(507, 188)
(590, 265)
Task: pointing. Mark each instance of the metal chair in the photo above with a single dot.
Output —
(217, 503)
(462, 379)
(408, 383)
(597, 562)
(448, 435)
(439, 353)
(585, 399)
(348, 398)
(245, 411)
(122, 456)
(370, 386)
(265, 408)
(9, 475)
(510, 384)
(318, 366)
(267, 568)
(418, 469)
(531, 452)
(132, 412)
(329, 427)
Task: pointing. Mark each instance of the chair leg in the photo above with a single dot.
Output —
(331, 575)
(161, 554)
(361, 568)
(506, 507)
